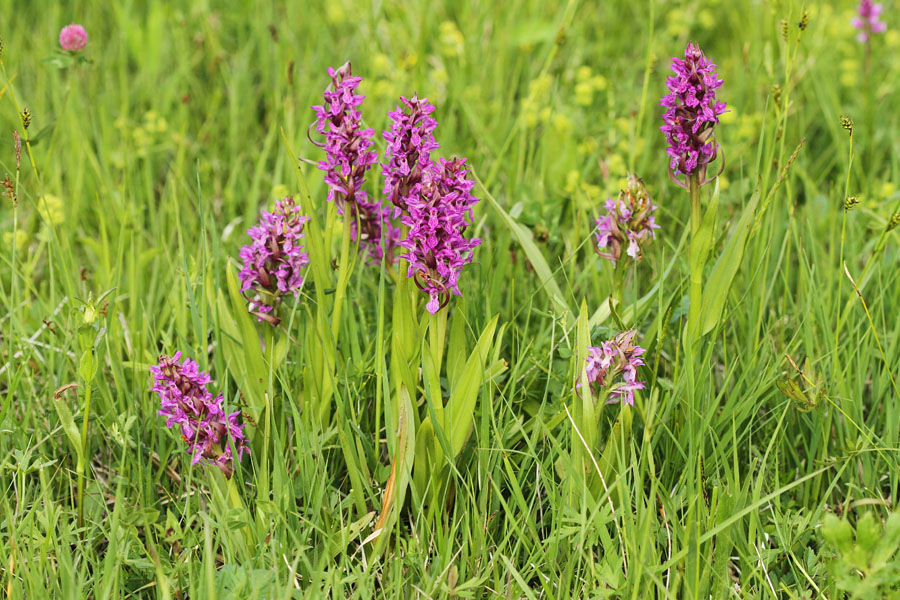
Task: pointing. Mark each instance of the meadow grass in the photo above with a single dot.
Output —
(734, 474)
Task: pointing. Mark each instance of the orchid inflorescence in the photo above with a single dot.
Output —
(432, 198)
(868, 20)
(186, 402)
(612, 367)
(436, 248)
(273, 261)
(629, 222)
(410, 143)
(349, 154)
(691, 115)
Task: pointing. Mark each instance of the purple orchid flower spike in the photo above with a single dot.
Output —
(273, 262)
(692, 113)
(438, 216)
(868, 20)
(409, 145)
(348, 156)
(186, 402)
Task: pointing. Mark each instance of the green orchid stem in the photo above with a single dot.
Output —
(343, 278)
(696, 289)
(619, 283)
(81, 465)
(234, 499)
(437, 334)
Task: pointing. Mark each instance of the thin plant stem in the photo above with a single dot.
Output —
(343, 276)
(837, 324)
(80, 467)
(696, 289)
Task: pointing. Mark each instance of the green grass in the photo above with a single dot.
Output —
(151, 161)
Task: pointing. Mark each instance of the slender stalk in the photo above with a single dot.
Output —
(837, 324)
(696, 289)
(343, 277)
(619, 284)
(81, 465)
(437, 332)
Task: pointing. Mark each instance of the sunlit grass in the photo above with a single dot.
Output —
(144, 166)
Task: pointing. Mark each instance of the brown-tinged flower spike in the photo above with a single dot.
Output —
(18, 147)
(613, 358)
(847, 123)
(10, 188)
(894, 222)
(629, 222)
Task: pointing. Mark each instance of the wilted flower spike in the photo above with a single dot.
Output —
(186, 402)
(613, 366)
(692, 113)
(348, 157)
(409, 145)
(73, 38)
(274, 260)
(847, 123)
(437, 219)
(868, 20)
(629, 223)
(893, 222)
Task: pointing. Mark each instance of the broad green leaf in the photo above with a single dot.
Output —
(456, 347)
(255, 371)
(87, 366)
(405, 343)
(715, 292)
(428, 455)
(607, 463)
(347, 534)
(461, 406)
(68, 424)
(395, 489)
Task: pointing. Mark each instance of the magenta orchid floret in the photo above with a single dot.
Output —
(273, 262)
(73, 38)
(349, 154)
(692, 113)
(438, 216)
(612, 367)
(629, 223)
(409, 145)
(868, 20)
(186, 402)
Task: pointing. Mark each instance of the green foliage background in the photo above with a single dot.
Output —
(155, 156)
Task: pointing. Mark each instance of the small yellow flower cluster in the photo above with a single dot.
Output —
(586, 195)
(586, 84)
(22, 238)
(452, 42)
(51, 209)
(144, 136)
(533, 106)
